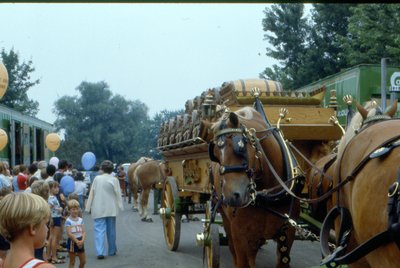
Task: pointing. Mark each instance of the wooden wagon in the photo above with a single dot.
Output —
(183, 142)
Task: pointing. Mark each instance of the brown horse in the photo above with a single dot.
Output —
(320, 180)
(144, 174)
(238, 171)
(368, 160)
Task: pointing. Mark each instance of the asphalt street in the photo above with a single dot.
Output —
(142, 245)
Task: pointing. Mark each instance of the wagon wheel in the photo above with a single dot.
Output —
(172, 214)
(211, 240)
(211, 245)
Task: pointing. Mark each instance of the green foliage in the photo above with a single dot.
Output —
(286, 32)
(337, 36)
(19, 82)
(107, 125)
(328, 26)
(373, 33)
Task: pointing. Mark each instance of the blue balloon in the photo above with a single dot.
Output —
(88, 160)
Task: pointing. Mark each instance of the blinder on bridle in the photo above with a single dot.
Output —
(239, 143)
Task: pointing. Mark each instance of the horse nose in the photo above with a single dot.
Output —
(234, 200)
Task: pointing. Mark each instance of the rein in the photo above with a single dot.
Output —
(282, 184)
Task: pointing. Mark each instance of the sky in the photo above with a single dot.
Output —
(160, 54)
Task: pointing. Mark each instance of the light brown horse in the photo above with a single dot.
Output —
(144, 174)
(369, 177)
(236, 172)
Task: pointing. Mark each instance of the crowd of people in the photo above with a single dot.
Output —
(57, 227)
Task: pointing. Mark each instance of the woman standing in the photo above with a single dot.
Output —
(104, 203)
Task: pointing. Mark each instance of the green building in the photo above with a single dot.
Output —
(362, 82)
(26, 137)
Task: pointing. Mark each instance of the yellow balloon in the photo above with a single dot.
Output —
(3, 139)
(53, 141)
(3, 79)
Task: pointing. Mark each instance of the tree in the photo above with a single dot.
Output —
(337, 36)
(324, 55)
(286, 32)
(107, 125)
(308, 50)
(19, 82)
(373, 34)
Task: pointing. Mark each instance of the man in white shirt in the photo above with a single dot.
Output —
(104, 203)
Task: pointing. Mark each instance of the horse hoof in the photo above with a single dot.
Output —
(147, 220)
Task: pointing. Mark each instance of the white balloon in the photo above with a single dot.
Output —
(54, 161)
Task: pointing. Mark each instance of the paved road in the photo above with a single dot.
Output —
(142, 245)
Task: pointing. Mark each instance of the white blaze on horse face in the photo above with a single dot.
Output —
(222, 154)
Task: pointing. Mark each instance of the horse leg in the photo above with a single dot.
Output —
(227, 226)
(144, 198)
(285, 239)
(128, 193)
(134, 191)
(242, 257)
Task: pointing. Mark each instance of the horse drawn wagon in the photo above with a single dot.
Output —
(298, 117)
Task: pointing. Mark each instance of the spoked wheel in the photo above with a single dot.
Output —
(211, 240)
(171, 214)
(212, 246)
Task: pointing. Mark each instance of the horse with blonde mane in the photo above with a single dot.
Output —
(144, 174)
(238, 171)
(367, 202)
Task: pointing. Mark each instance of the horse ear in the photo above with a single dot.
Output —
(205, 130)
(234, 119)
(393, 109)
(362, 110)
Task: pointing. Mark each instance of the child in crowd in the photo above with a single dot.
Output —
(29, 183)
(76, 235)
(74, 196)
(23, 222)
(55, 229)
(80, 189)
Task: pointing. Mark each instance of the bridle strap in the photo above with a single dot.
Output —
(228, 131)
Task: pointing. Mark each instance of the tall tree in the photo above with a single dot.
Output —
(286, 30)
(107, 125)
(307, 49)
(19, 82)
(373, 34)
(324, 55)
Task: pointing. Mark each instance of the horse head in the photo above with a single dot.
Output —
(233, 149)
(365, 116)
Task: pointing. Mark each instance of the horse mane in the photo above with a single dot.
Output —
(355, 125)
(247, 116)
(143, 159)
